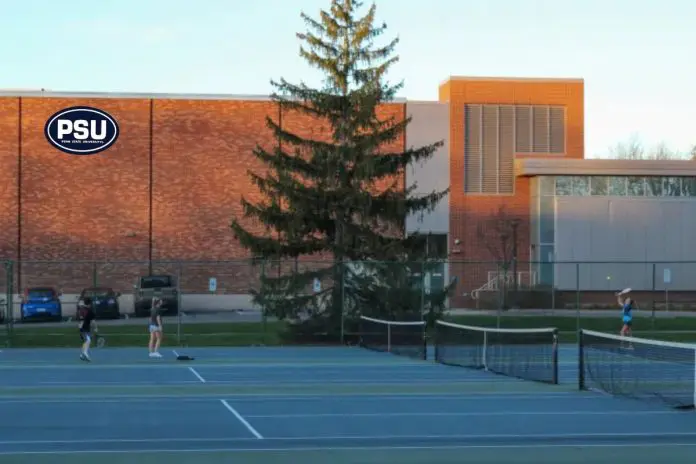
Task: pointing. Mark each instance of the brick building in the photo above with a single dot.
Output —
(166, 191)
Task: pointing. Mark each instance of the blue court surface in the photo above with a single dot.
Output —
(338, 405)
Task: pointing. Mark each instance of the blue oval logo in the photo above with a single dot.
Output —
(81, 130)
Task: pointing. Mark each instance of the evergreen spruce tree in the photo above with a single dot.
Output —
(343, 198)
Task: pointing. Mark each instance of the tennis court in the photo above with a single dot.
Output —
(346, 405)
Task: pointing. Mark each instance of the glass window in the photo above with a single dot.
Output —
(599, 186)
(546, 271)
(636, 186)
(534, 221)
(617, 186)
(546, 219)
(581, 186)
(547, 185)
(653, 186)
(546, 253)
(671, 186)
(689, 186)
(563, 185)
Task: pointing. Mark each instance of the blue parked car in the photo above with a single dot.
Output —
(41, 303)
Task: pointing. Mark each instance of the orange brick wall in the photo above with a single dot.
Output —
(467, 211)
(175, 201)
(130, 203)
(9, 157)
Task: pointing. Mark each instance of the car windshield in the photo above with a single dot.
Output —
(41, 293)
(97, 292)
(155, 282)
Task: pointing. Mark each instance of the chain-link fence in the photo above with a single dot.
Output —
(6, 300)
(217, 301)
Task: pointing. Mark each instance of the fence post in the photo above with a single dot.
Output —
(577, 297)
(343, 301)
(422, 291)
(500, 284)
(95, 278)
(553, 283)
(264, 319)
(178, 302)
(9, 301)
(654, 288)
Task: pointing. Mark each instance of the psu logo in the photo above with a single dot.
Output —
(81, 130)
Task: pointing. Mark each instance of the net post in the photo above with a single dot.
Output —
(425, 342)
(436, 341)
(695, 378)
(555, 357)
(484, 362)
(581, 362)
(389, 337)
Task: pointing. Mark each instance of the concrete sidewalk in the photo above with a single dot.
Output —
(570, 313)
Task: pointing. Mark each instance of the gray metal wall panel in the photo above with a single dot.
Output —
(604, 233)
(430, 124)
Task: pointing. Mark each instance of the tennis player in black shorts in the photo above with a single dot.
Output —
(87, 325)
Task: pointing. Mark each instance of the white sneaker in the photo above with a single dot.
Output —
(155, 355)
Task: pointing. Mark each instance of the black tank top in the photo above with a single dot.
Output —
(154, 312)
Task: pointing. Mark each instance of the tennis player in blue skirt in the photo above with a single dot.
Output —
(626, 304)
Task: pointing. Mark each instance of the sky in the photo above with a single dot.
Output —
(638, 58)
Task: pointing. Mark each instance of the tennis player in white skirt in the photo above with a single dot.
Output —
(155, 326)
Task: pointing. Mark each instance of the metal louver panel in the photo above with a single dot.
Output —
(540, 128)
(473, 148)
(506, 152)
(523, 129)
(557, 129)
(490, 149)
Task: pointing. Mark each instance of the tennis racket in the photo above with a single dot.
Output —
(624, 291)
(101, 341)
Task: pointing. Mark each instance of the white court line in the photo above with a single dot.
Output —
(332, 449)
(610, 412)
(224, 362)
(242, 420)
(425, 383)
(372, 438)
(175, 353)
(254, 397)
(198, 376)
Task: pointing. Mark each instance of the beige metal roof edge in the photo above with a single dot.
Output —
(568, 80)
(603, 167)
(143, 95)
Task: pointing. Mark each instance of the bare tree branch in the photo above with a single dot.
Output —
(633, 149)
(498, 235)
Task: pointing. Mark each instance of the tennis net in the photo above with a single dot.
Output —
(530, 354)
(403, 338)
(644, 369)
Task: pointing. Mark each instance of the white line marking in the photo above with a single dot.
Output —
(470, 414)
(254, 397)
(198, 376)
(376, 438)
(242, 420)
(175, 353)
(355, 448)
